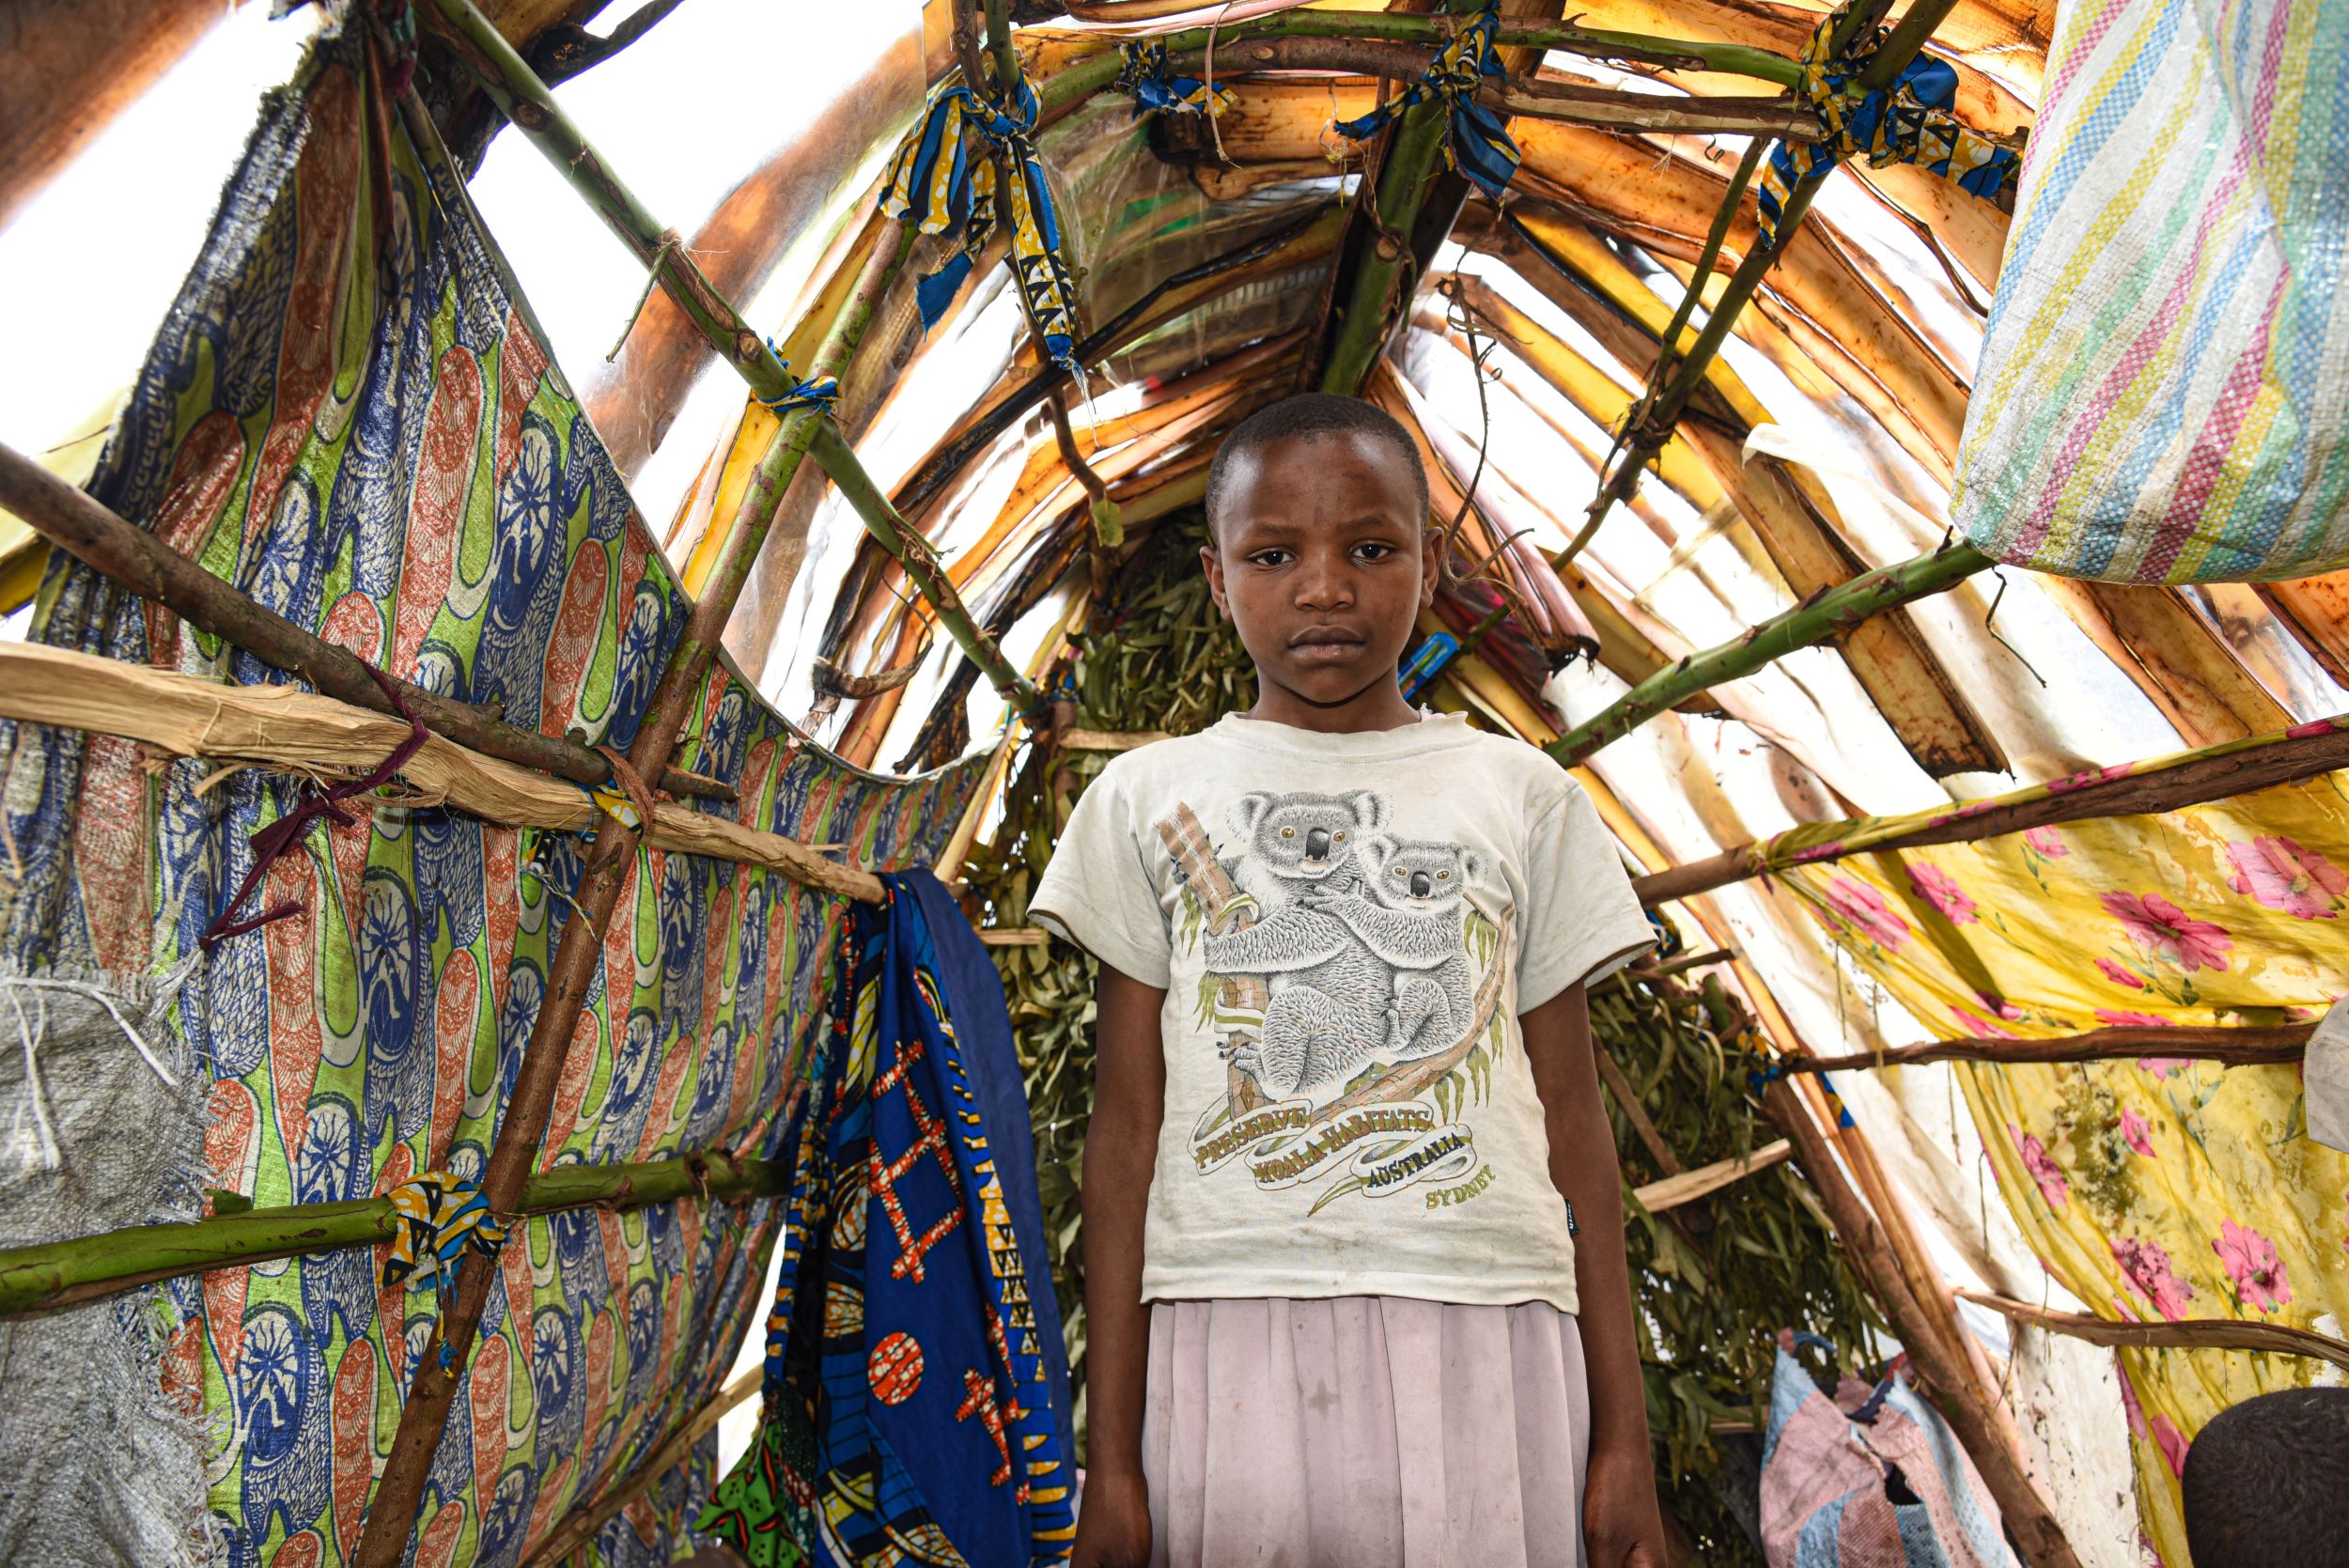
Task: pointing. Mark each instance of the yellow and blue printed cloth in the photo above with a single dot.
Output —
(440, 1214)
(1143, 75)
(1909, 124)
(934, 181)
(1477, 142)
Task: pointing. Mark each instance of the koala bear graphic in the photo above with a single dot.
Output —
(1408, 912)
(1327, 993)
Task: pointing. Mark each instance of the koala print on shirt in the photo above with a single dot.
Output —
(1359, 938)
(1410, 914)
(1327, 993)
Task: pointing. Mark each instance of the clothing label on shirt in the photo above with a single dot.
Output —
(1352, 986)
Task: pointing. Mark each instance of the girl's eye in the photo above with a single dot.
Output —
(1270, 557)
(1374, 552)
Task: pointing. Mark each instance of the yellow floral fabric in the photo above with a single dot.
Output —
(2159, 1188)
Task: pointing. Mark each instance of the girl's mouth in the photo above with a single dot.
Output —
(1324, 643)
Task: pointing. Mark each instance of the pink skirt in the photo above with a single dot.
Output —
(1364, 1432)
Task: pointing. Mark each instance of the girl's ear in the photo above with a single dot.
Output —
(1430, 548)
(1212, 564)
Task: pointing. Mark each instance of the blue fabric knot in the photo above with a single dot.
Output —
(1143, 76)
(1910, 123)
(934, 181)
(1477, 142)
(808, 392)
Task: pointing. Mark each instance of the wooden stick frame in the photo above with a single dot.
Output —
(2259, 762)
(44, 1278)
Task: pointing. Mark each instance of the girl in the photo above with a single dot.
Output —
(1354, 1268)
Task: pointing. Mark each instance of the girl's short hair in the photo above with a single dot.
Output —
(1305, 416)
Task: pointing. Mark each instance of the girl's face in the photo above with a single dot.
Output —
(1323, 561)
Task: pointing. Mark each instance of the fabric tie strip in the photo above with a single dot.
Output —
(439, 1216)
(805, 392)
(1908, 124)
(1143, 76)
(281, 835)
(1477, 142)
(934, 181)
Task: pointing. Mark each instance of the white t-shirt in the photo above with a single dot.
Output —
(1347, 927)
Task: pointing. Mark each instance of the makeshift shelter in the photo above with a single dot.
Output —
(386, 794)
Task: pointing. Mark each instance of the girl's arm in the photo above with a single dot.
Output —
(1619, 1522)
(1121, 1148)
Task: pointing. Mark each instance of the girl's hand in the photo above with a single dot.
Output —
(1621, 1526)
(1114, 1523)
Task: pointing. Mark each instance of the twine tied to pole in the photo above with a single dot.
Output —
(670, 244)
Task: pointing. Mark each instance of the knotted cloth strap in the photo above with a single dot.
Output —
(1908, 124)
(934, 181)
(1477, 141)
(287, 831)
(807, 392)
(439, 1216)
(624, 797)
(1143, 76)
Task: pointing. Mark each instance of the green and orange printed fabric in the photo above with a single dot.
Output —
(350, 415)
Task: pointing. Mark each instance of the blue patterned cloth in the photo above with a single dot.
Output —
(1477, 142)
(916, 1385)
(1909, 124)
(934, 181)
(1143, 75)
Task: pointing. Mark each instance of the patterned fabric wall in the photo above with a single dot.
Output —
(350, 415)
(2159, 1188)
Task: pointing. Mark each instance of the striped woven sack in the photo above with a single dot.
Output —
(2164, 383)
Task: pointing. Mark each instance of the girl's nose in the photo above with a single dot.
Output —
(1324, 585)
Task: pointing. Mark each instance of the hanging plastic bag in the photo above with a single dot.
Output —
(1868, 1479)
(2164, 380)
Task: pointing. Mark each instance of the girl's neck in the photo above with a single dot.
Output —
(1376, 706)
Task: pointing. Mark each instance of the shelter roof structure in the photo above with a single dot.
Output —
(1952, 827)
